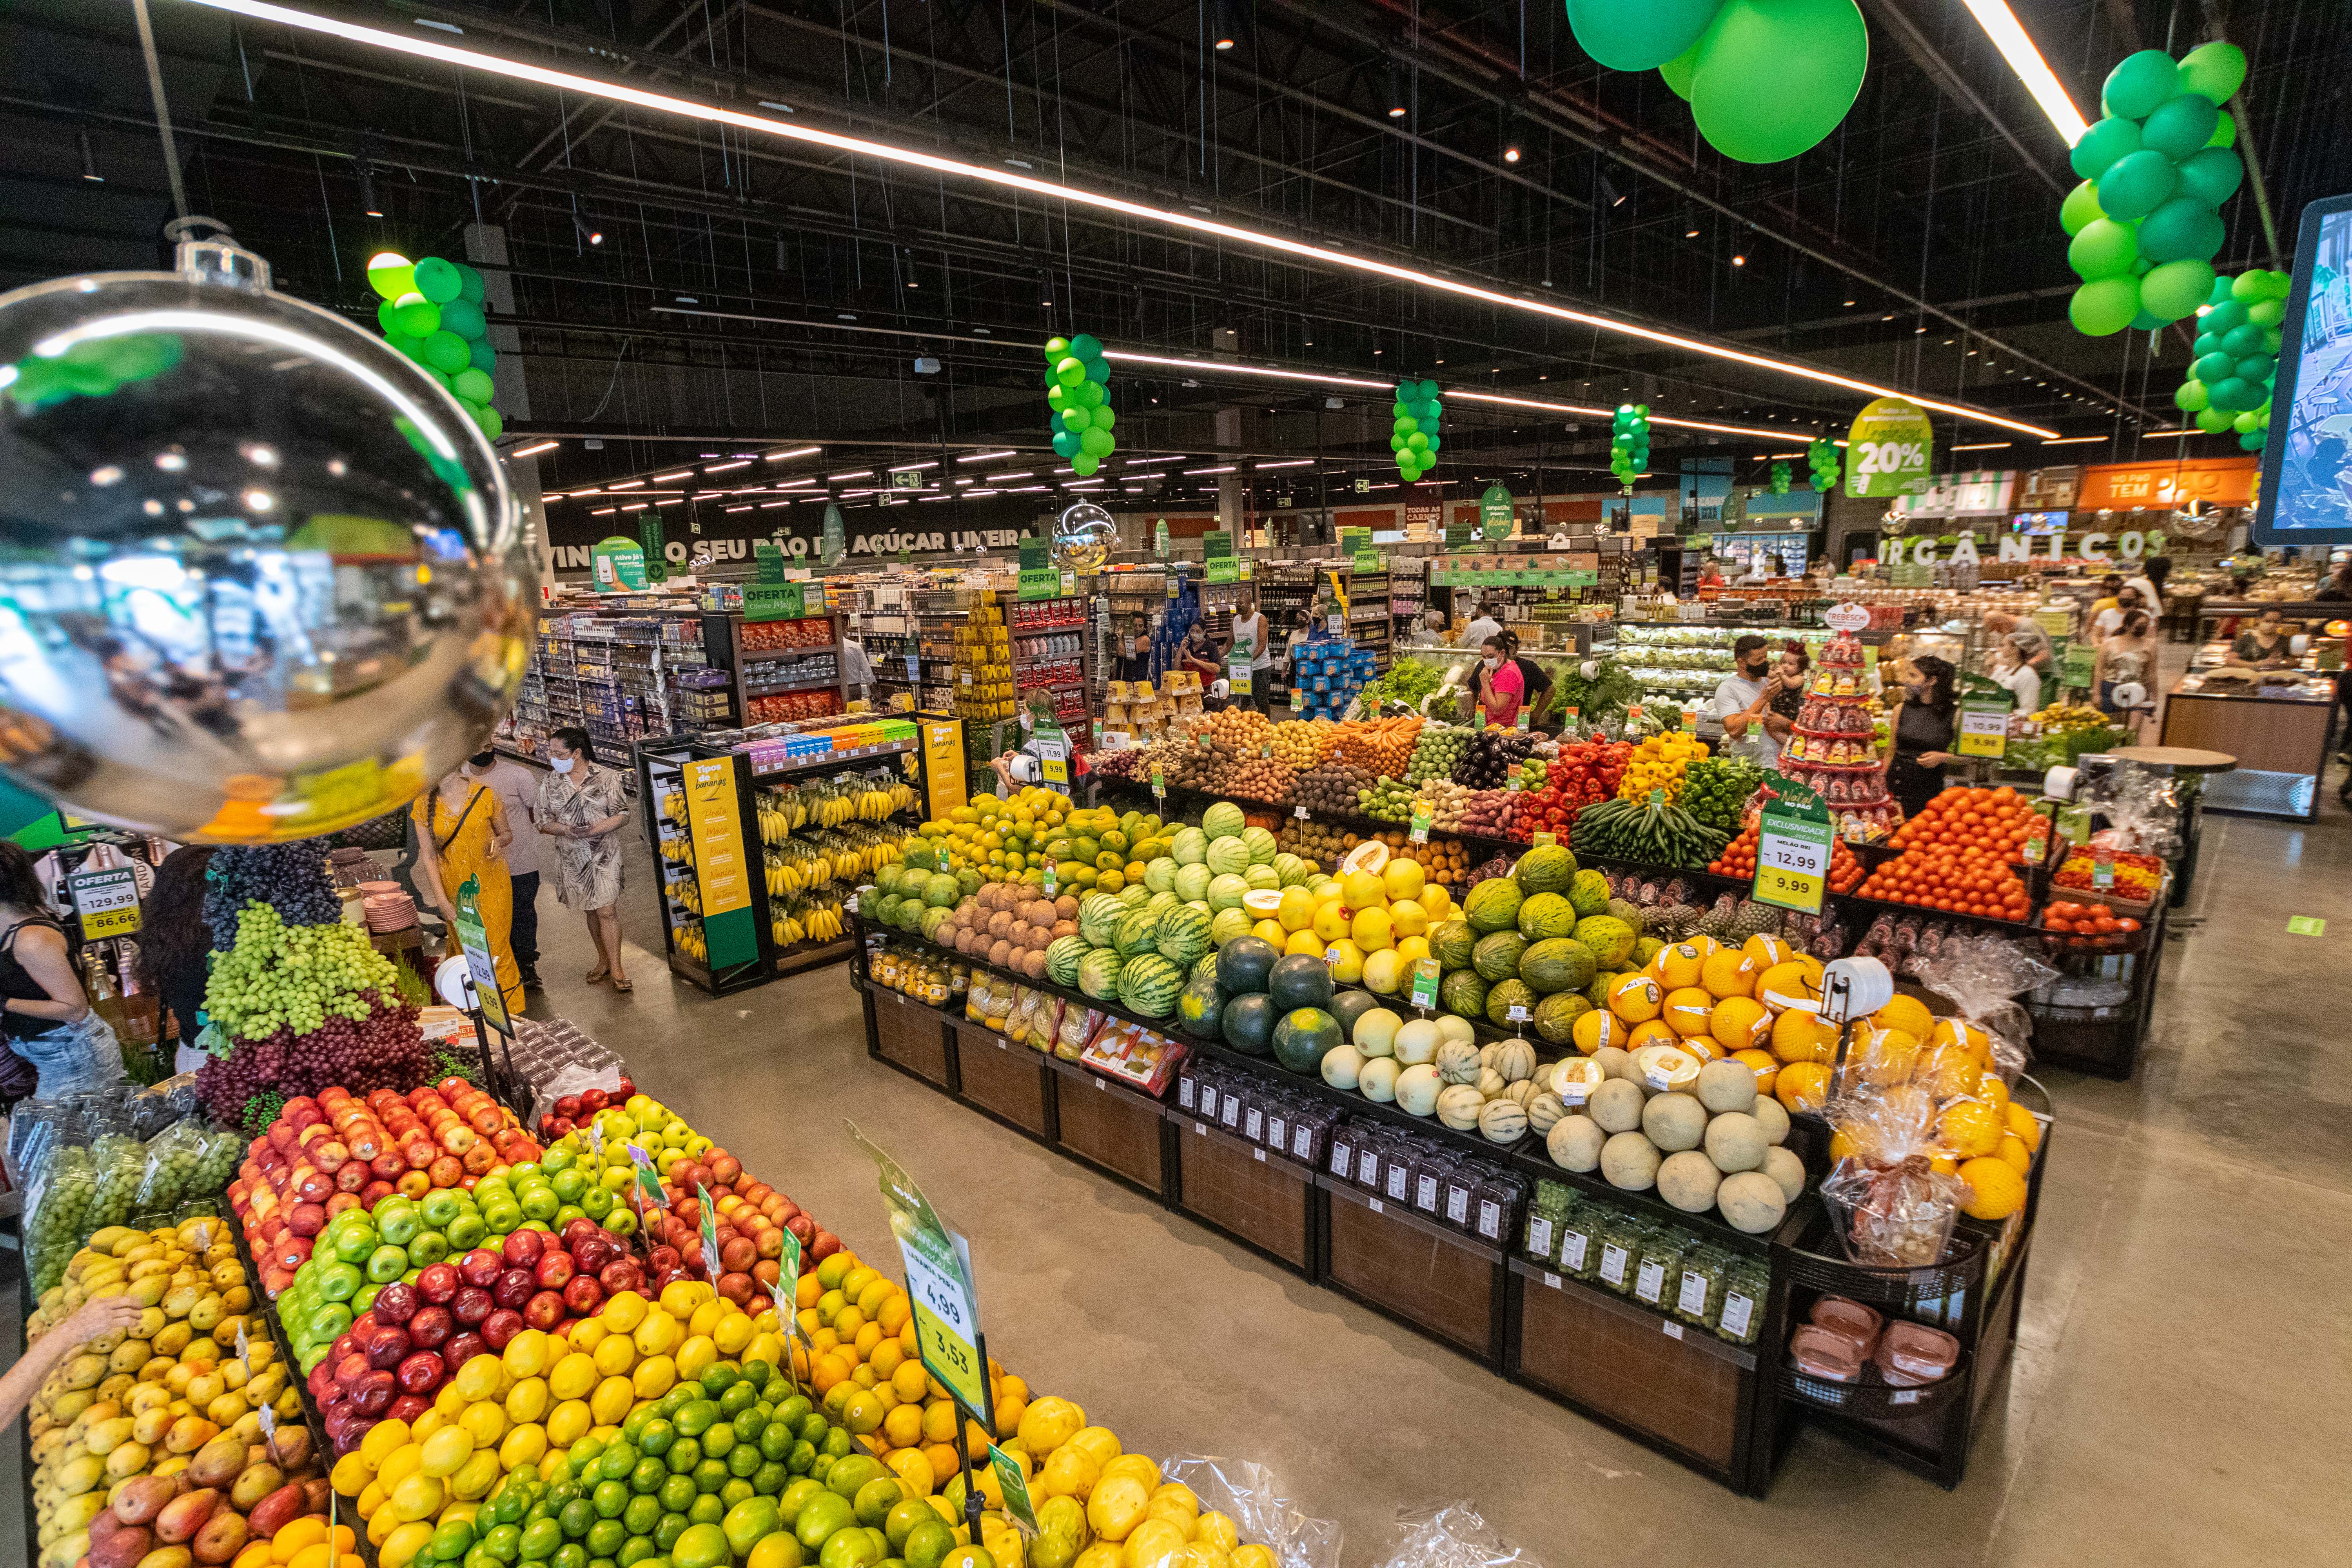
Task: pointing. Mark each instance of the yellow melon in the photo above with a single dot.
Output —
(1677, 966)
(1794, 983)
(1687, 1011)
(1728, 972)
(1766, 950)
(1595, 1030)
(1801, 1036)
(1766, 1066)
(1651, 1031)
(1635, 997)
(1908, 1014)
(1740, 1023)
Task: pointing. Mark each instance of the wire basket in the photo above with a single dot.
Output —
(1871, 1396)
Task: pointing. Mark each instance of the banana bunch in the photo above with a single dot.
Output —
(677, 851)
(836, 801)
(780, 812)
(786, 930)
(691, 941)
(797, 865)
(673, 805)
(687, 893)
(881, 799)
(810, 920)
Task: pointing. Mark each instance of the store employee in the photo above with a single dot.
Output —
(1743, 699)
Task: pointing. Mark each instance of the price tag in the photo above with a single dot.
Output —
(267, 1422)
(1159, 783)
(1377, 1206)
(945, 1327)
(2103, 869)
(1298, 701)
(1904, 1396)
(1545, 840)
(1052, 881)
(107, 901)
(1552, 1281)
(1984, 727)
(1237, 677)
(1515, 1013)
(914, 669)
(1672, 1331)
(1425, 982)
(1420, 834)
(1299, 812)
(1632, 713)
(966, 676)
(1521, 722)
(1792, 860)
(1514, 785)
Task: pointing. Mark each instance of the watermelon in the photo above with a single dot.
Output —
(1206, 968)
(1349, 1005)
(1453, 944)
(1503, 997)
(1610, 939)
(1248, 1024)
(1098, 974)
(1493, 905)
(1589, 893)
(1183, 936)
(1200, 1008)
(1497, 957)
(1139, 933)
(1556, 1016)
(1223, 820)
(1189, 847)
(1148, 985)
(1545, 915)
(1229, 925)
(1226, 892)
(1299, 981)
(1063, 958)
(1228, 857)
(1245, 965)
(1100, 917)
(1463, 993)
(1160, 876)
(1261, 845)
(1161, 904)
(1290, 870)
(1302, 1035)
(1261, 878)
(1558, 963)
(1135, 895)
(1191, 882)
(1550, 870)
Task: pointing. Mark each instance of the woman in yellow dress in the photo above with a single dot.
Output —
(461, 832)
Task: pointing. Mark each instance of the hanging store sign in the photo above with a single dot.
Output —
(1888, 449)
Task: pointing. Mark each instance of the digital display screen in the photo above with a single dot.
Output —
(2306, 494)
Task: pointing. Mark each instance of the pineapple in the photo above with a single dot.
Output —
(1672, 922)
(1752, 918)
(1717, 921)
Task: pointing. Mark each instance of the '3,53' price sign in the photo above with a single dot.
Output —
(1792, 860)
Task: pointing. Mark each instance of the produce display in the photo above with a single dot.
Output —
(2088, 926)
(1833, 750)
(2137, 878)
(1738, 859)
(1716, 791)
(73, 1188)
(1959, 855)
(1659, 763)
(1680, 1272)
(151, 1441)
(1437, 751)
(1647, 828)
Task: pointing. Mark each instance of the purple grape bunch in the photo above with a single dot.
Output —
(383, 1050)
(290, 877)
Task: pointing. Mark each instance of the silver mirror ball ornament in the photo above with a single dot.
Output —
(259, 575)
(1084, 536)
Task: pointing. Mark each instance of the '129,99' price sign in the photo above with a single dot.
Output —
(1793, 862)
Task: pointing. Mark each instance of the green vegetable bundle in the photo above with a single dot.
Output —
(1649, 832)
(1716, 791)
(1405, 684)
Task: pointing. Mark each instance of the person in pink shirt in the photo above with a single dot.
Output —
(1500, 686)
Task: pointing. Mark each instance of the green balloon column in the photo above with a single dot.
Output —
(1628, 443)
(2229, 384)
(1077, 389)
(1823, 457)
(1779, 484)
(1413, 437)
(1766, 79)
(432, 312)
(2145, 224)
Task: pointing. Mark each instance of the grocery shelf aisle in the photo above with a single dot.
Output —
(2158, 1410)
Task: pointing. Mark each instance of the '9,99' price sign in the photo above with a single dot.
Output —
(1792, 862)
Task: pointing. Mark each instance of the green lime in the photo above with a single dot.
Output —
(793, 1497)
(671, 1527)
(648, 1476)
(794, 1408)
(853, 1471)
(636, 1550)
(875, 1500)
(819, 1517)
(819, 1466)
(737, 1399)
(582, 1454)
(849, 1549)
(540, 1540)
(702, 1546)
(813, 1428)
(900, 1521)
(504, 1542)
(719, 1377)
(709, 1508)
(604, 1537)
(770, 1477)
(577, 1516)
(676, 1493)
(802, 1459)
(776, 1441)
(559, 1492)
(695, 1417)
(748, 1520)
(655, 1436)
(719, 1439)
(710, 1474)
(838, 1442)
(683, 1456)
(929, 1543)
(736, 1491)
(642, 1514)
(610, 1498)
(616, 1462)
(636, 1424)
(743, 1461)
(571, 1555)
(450, 1541)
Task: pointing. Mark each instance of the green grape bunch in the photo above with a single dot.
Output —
(276, 976)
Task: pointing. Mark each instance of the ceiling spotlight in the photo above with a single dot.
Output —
(1396, 93)
(594, 235)
(89, 163)
(368, 204)
(1510, 154)
(1610, 192)
(1740, 261)
(1227, 34)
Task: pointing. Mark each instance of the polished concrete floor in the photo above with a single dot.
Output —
(2178, 1396)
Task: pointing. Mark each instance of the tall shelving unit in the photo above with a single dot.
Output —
(621, 674)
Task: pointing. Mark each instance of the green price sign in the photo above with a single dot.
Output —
(939, 1287)
(1015, 1487)
(1792, 859)
(1888, 449)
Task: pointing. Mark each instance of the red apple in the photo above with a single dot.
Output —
(444, 1171)
(431, 1327)
(523, 1248)
(408, 1407)
(568, 1106)
(505, 1323)
(621, 1274)
(437, 1283)
(542, 1312)
(481, 1266)
(513, 1287)
(581, 1295)
(628, 1088)
(594, 1100)
(386, 1346)
(826, 1244)
(472, 1305)
(397, 1302)
(372, 1394)
(462, 1348)
(555, 1267)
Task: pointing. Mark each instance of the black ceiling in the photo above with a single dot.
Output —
(1918, 245)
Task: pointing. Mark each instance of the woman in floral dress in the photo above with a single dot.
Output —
(582, 809)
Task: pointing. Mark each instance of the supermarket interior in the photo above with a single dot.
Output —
(1206, 785)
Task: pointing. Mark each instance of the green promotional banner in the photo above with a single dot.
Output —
(1496, 517)
(938, 1286)
(619, 565)
(1888, 449)
(481, 966)
(651, 539)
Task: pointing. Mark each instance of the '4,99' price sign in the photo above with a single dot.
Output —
(1792, 862)
(947, 1328)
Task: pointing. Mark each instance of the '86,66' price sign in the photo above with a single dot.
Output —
(1793, 858)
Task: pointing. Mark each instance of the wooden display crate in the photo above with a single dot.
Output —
(1110, 1127)
(1262, 1200)
(1398, 1263)
(1005, 1080)
(912, 1036)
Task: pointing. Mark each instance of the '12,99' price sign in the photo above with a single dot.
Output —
(1792, 862)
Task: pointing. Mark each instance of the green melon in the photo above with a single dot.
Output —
(1549, 869)
(1493, 905)
(1100, 917)
(1262, 848)
(1200, 1008)
(1452, 943)
(1228, 857)
(1222, 820)
(913, 881)
(886, 908)
(1135, 895)
(1505, 996)
(1261, 878)
(1189, 847)
(1160, 876)
(1226, 892)
(1302, 1035)
(1289, 870)
(1545, 915)
(1589, 893)
(1299, 981)
(1063, 958)
(1230, 925)
(889, 876)
(1245, 965)
(1205, 968)
(1610, 939)
(1463, 993)
(921, 852)
(1183, 935)
(1558, 963)
(1139, 933)
(1497, 957)
(1098, 974)
(1192, 882)
(1248, 1024)
(1556, 1016)
(1148, 985)
(931, 922)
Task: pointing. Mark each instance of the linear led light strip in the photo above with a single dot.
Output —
(1605, 413)
(2001, 25)
(1322, 256)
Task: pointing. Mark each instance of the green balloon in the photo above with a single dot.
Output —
(2257, 369)
(2234, 393)
(2246, 423)
(1105, 417)
(2135, 184)
(1774, 76)
(438, 280)
(463, 317)
(2210, 175)
(1086, 346)
(2139, 83)
(2213, 367)
(1095, 443)
(2105, 248)
(2181, 126)
(1635, 38)
(2183, 226)
(2225, 130)
(1435, 442)
(1057, 397)
(2212, 421)
(2213, 71)
(488, 418)
(2102, 144)
(407, 344)
(1405, 425)
(446, 351)
(1086, 463)
(1396, 443)
(391, 274)
(1097, 369)
(1070, 371)
(417, 315)
(473, 385)
(2081, 206)
(469, 283)
(2104, 307)
(2177, 288)
(1417, 441)
(1057, 349)
(2191, 398)
(2266, 312)
(386, 321)
(1678, 72)
(2225, 318)
(1089, 395)
(1076, 419)
(2248, 286)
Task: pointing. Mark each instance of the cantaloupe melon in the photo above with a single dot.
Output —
(1727, 1086)
(1573, 1079)
(1342, 1067)
(1575, 1142)
(1734, 1140)
(1773, 1117)
(1376, 1080)
(1751, 1201)
(1459, 1106)
(1785, 1168)
(1543, 1109)
(1616, 1106)
(1631, 1161)
(1687, 1180)
(1674, 1122)
(1415, 1042)
(1501, 1121)
(1417, 1088)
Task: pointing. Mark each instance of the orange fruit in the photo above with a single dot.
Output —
(1996, 1189)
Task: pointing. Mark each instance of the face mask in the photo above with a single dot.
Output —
(1492, 665)
(482, 759)
(561, 764)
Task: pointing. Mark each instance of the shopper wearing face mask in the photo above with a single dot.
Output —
(1743, 699)
(1500, 689)
(517, 788)
(461, 838)
(583, 808)
(1924, 730)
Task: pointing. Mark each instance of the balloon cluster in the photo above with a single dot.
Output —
(2155, 170)
(1629, 442)
(1779, 481)
(1824, 456)
(2229, 385)
(432, 312)
(1077, 387)
(1414, 438)
(1766, 79)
